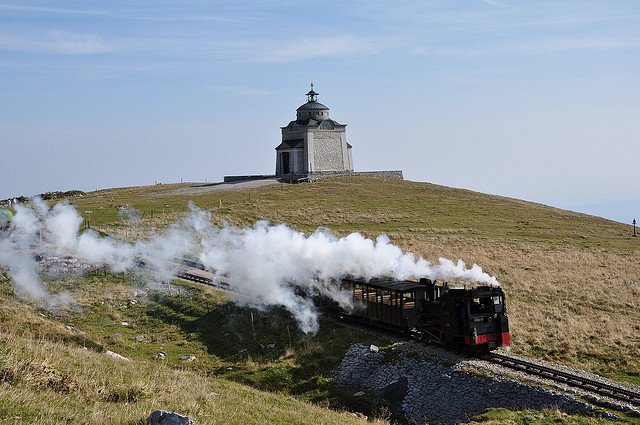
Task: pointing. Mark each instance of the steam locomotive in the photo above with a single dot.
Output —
(469, 316)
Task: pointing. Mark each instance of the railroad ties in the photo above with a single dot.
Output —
(196, 272)
(618, 393)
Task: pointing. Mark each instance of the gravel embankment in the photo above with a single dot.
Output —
(435, 386)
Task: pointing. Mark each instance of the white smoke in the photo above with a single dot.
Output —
(265, 265)
(17, 245)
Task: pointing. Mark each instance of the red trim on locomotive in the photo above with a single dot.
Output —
(503, 338)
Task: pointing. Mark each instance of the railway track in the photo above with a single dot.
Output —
(573, 380)
(195, 272)
(201, 276)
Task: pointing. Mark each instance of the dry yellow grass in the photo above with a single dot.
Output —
(569, 305)
(48, 382)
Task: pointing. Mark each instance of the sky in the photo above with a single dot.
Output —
(537, 100)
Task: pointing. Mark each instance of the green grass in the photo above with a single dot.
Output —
(540, 417)
(198, 322)
(220, 335)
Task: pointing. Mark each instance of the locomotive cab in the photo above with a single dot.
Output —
(473, 317)
(480, 320)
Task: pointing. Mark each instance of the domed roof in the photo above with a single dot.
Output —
(312, 102)
(312, 106)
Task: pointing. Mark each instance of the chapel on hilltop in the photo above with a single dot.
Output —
(313, 143)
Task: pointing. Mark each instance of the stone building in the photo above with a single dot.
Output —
(313, 144)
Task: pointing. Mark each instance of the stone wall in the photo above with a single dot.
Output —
(298, 161)
(235, 179)
(327, 155)
(396, 174)
(294, 178)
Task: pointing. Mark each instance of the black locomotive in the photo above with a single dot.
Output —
(472, 316)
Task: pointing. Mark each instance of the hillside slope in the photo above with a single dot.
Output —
(55, 367)
(572, 283)
(572, 280)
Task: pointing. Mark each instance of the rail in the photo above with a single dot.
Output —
(574, 380)
(197, 274)
(198, 277)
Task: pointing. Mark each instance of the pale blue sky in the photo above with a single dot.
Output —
(537, 100)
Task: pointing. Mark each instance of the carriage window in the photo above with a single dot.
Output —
(386, 297)
(408, 300)
(372, 295)
(357, 291)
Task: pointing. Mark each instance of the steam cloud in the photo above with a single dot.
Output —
(264, 264)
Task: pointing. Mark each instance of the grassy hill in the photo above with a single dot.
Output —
(572, 282)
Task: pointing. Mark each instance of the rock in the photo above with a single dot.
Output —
(116, 355)
(139, 338)
(73, 329)
(359, 416)
(124, 323)
(394, 392)
(374, 348)
(609, 416)
(359, 394)
(187, 358)
(162, 417)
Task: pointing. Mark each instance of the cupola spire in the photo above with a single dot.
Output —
(312, 96)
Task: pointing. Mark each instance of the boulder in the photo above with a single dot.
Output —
(187, 358)
(116, 355)
(162, 417)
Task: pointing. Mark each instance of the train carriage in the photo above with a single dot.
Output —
(472, 316)
(387, 302)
